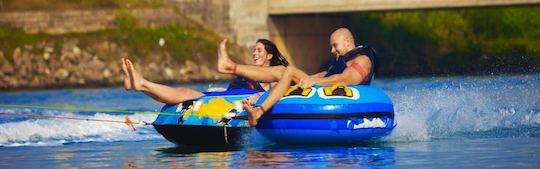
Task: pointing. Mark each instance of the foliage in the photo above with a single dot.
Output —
(180, 42)
(11, 38)
(453, 41)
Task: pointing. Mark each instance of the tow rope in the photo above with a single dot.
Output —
(130, 123)
(127, 121)
(85, 109)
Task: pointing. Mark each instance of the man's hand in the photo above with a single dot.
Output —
(309, 82)
(320, 74)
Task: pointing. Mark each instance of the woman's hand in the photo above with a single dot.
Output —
(216, 89)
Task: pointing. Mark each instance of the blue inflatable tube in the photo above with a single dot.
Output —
(326, 115)
(320, 115)
(208, 120)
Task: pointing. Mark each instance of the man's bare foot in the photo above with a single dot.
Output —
(127, 78)
(225, 64)
(254, 113)
(137, 81)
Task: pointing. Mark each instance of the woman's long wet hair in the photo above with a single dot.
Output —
(277, 58)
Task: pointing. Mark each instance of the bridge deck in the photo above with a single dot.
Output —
(283, 7)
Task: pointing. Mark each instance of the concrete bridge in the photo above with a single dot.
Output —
(301, 28)
(287, 7)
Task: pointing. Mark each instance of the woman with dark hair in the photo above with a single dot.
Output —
(276, 59)
(265, 54)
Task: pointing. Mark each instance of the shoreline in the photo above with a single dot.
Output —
(225, 80)
(104, 85)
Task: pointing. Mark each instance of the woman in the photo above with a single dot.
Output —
(265, 54)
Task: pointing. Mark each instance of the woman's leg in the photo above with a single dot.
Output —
(127, 79)
(157, 91)
(260, 74)
(255, 73)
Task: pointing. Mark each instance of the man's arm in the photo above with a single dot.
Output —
(319, 75)
(355, 73)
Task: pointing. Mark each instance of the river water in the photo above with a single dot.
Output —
(443, 122)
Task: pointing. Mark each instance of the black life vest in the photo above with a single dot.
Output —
(339, 65)
(243, 83)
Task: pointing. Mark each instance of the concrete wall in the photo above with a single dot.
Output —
(81, 21)
(212, 14)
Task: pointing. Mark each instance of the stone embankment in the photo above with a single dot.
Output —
(69, 62)
(97, 65)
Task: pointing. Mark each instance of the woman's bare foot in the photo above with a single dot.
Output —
(127, 78)
(254, 113)
(137, 81)
(225, 64)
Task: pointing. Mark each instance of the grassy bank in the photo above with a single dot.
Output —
(180, 42)
(178, 50)
(454, 41)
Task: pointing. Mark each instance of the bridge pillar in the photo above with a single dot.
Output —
(242, 21)
(248, 21)
(302, 38)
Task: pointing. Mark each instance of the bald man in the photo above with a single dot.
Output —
(352, 65)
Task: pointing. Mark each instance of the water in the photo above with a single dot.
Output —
(445, 122)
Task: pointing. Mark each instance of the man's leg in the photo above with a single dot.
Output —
(159, 92)
(291, 74)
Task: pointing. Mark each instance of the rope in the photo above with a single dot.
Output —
(225, 133)
(127, 121)
(85, 109)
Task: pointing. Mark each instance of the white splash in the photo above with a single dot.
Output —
(443, 107)
(50, 132)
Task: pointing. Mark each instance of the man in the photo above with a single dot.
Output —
(348, 68)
